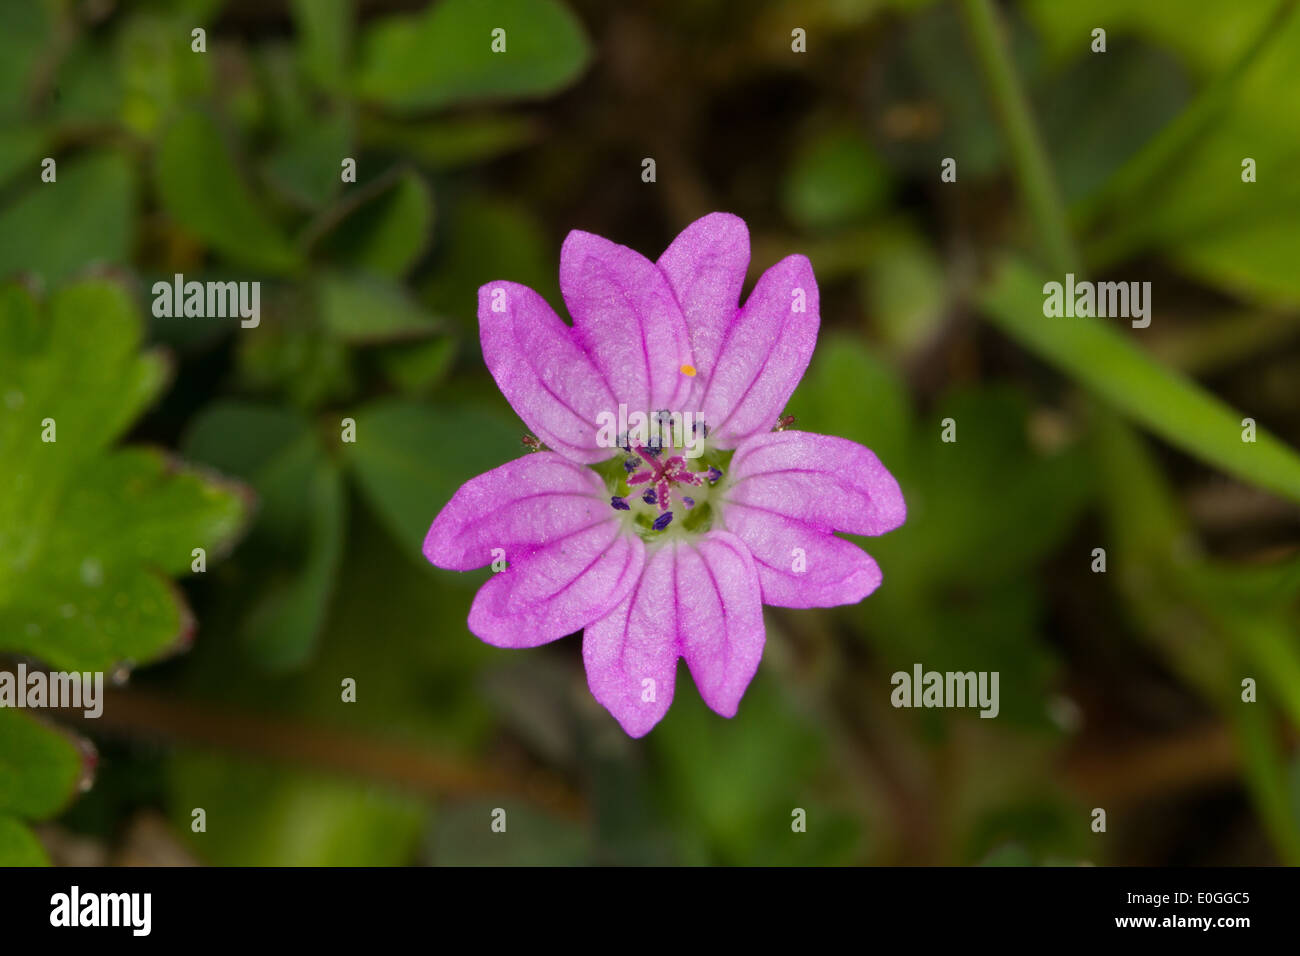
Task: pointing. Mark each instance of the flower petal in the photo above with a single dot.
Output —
(701, 601)
(764, 354)
(721, 623)
(706, 266)
(800, 566)
(627, 319)
(630, 656)
(830, 483)
(518, 507)
(558, 589)
(547, 377)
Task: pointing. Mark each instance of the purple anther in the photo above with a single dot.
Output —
(663, 521)
(619, 504)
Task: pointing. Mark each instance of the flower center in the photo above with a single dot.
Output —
(662, 493)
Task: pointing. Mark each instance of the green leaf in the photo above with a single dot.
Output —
(450, 141)
(89, 87)
(420, 691)
(490, 239)
(1093, 120)
(1207, 35)
(305, 167)
(29, 30)
(39, 767)
(835, 179)
(284, 625)
(294, 359)
(40, 772)
(1210, 622)
(19, 846)
(1099, 356)
(284, 585)
(87, 536)
(907, 292)
(419, 367)
(156, 71)
(444, 55)
(363, 308)
(382, 231)
(85, 217)
(982, 511)
(993, 504)
(1187, 180)
(409, 458)
(325, 35)
(851, 393)
(20, 150)
(202, 189)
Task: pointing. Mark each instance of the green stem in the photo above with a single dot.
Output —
(1264, 763)
(1027, 153)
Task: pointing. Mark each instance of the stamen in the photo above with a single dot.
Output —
(664, 473)
(619, 504)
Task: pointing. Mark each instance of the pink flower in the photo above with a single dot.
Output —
(654, 554)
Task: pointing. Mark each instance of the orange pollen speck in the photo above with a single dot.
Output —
(688, 370)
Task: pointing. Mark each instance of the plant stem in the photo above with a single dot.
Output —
(358, 755)
(1030, 159)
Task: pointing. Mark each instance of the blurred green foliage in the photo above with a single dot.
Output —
(471, 165)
